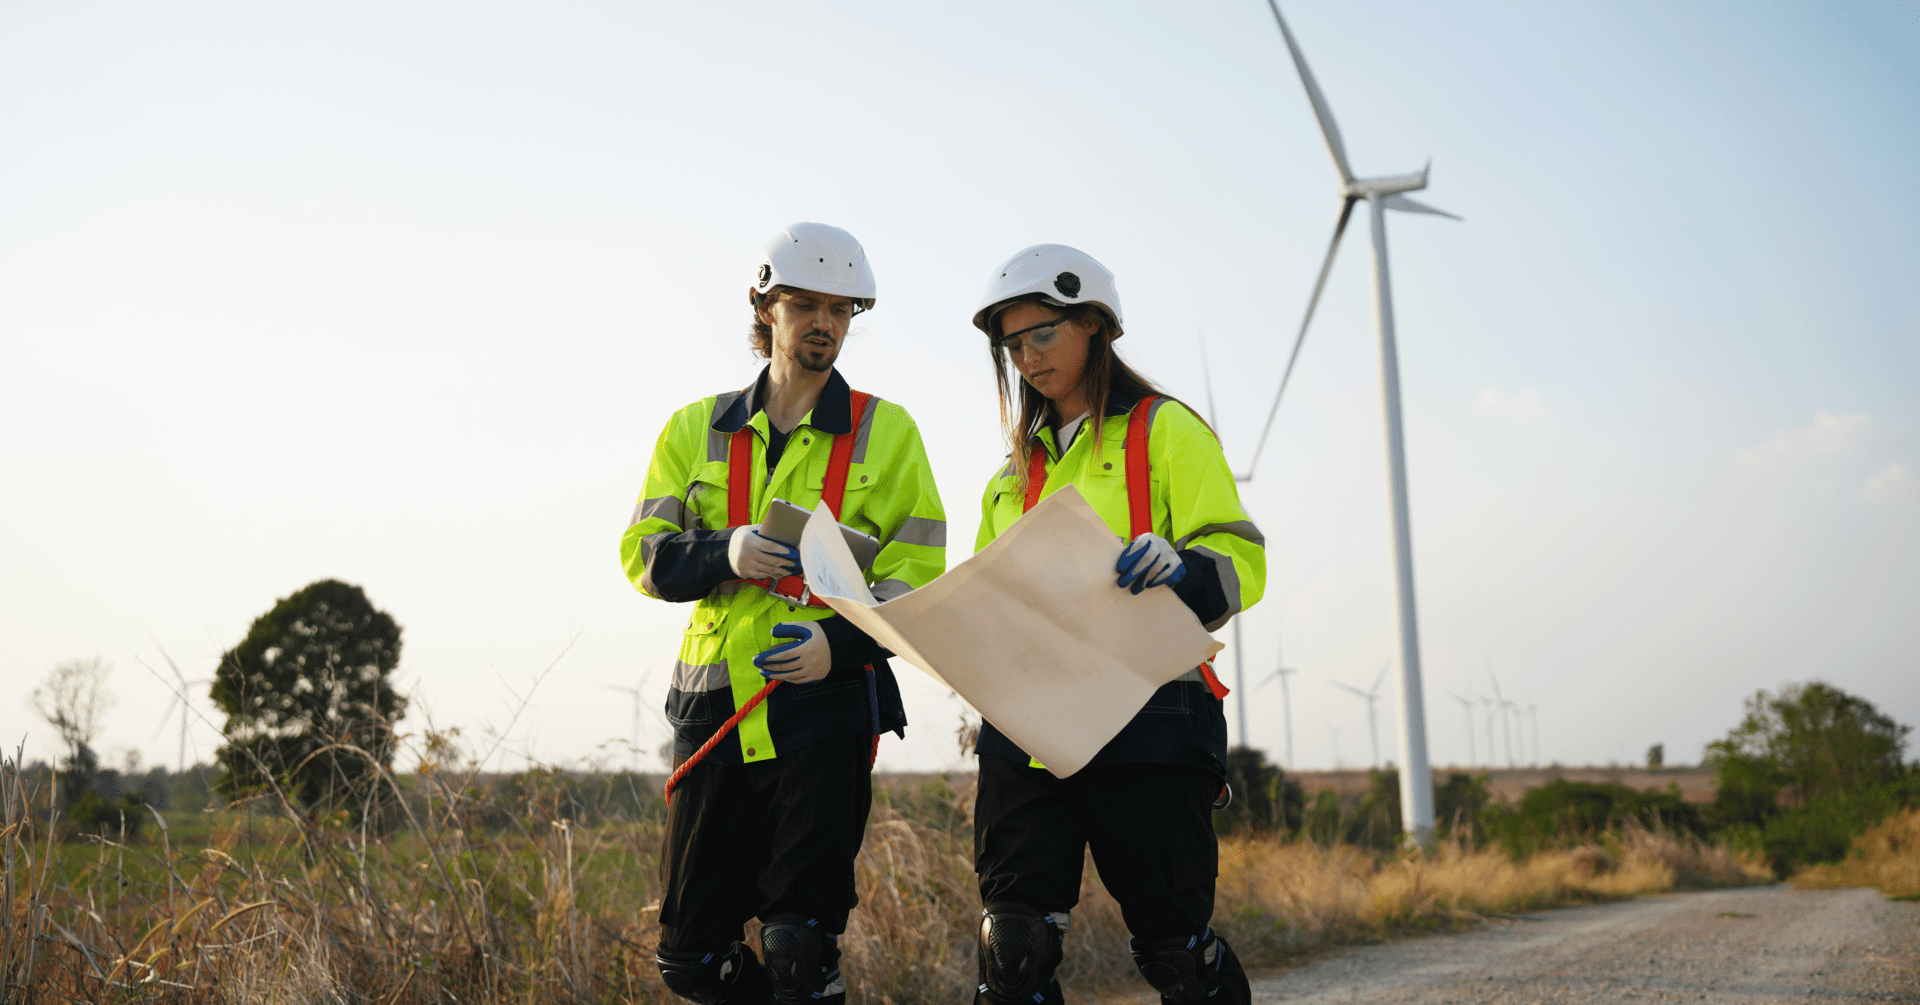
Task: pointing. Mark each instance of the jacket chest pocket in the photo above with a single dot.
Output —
(707, 495)
(855, 505)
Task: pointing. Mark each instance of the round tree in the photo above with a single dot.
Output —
(312, 676)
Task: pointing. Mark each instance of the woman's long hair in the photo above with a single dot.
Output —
(1104, 374)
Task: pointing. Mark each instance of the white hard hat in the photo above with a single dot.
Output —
(817, 257)
(1063, 276)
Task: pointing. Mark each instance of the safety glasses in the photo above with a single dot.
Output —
(1041, 337)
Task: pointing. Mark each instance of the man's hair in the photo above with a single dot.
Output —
(760, 336)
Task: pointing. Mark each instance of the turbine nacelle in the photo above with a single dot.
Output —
(1361, 188)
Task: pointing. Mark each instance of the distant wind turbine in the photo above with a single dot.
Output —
(1373, 725)
(1380, 194)
(1533, 712)
(1502, 704)
(182, 699)
(1493, 749)
(635, 692)
(1466, 706)
(1286, 703)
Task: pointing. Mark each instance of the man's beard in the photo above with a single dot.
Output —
(812, 358)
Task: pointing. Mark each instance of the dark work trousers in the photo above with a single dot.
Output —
(1150, 827)
(771, 837)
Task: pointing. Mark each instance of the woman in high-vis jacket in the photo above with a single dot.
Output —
(1144, 803)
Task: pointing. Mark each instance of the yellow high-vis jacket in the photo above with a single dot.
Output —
(676, 550)
(1196, 506)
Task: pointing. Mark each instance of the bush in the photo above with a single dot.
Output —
(1265, 800)
(1561, 814)
(1808, 770)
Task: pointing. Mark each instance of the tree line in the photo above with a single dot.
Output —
(311, 713)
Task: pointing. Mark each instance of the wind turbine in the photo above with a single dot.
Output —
(635, 692)
(1466, 706)
(180, 699)
(1380, 194)
(1493, 749)
(1502, 704)
(1533, 712)
(1371, 696)
(1286, 702)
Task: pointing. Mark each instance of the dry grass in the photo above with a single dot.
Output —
(1279, 899)
(530, 908)
(1887, 857)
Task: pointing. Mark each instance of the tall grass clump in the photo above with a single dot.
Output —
(1887, 856)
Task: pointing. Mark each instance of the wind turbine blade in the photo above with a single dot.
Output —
(1319, 101)
(164, 716)
(1382, 676)
(1339, 228)
(1350, 687)
(1206, 374)
(164, 655)
(1406, 205)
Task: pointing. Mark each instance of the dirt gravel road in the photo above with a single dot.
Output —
(1765, 944)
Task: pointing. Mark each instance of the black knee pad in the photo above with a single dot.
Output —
(1020, 947)
(1192, 969)
(803, 960)
(713, 978)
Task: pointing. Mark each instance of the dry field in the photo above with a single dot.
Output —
(531, 908)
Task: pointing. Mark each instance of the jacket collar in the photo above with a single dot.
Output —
(1118, 403)
(833, 413)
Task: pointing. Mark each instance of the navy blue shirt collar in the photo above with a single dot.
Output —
(833, 413)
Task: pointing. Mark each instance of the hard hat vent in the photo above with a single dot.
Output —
(1067, 283)
(766, 272)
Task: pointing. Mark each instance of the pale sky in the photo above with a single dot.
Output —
(401, 294)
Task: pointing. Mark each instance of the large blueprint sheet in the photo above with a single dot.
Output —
(1031, 631)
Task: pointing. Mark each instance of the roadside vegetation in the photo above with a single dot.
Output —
(302, 867)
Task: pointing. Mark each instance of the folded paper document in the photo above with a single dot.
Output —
(1031, 631)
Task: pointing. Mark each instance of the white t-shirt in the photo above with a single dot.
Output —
(1069, 431)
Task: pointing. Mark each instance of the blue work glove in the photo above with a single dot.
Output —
(1148, 562)
(799, 662)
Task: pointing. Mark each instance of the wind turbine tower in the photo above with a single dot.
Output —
(1533, 712)
(1371, 696)
(1380, 194)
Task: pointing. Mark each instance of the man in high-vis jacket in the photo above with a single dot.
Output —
(766, 823)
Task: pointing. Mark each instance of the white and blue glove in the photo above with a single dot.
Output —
(1148, 562)
(756, 557)
(803, 661)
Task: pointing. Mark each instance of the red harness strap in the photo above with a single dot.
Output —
(833, 491)
(1139, 496)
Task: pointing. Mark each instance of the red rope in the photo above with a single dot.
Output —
(727, 727)
(718, 735)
